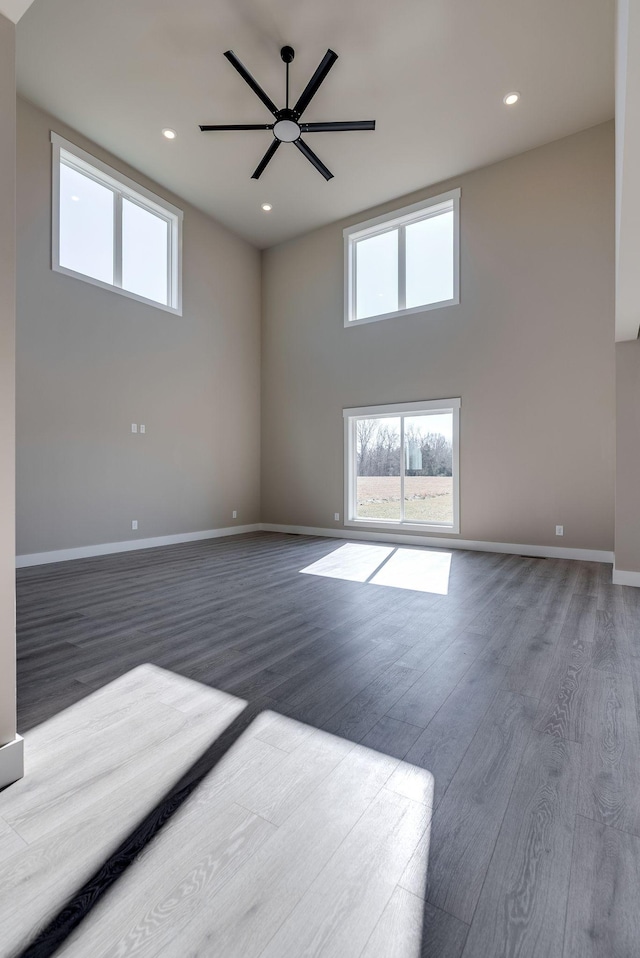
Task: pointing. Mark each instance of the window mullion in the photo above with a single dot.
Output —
(402, 468)
(402, 268)
(117, 241)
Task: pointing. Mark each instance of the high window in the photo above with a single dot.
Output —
(112, 232)
(401, 465)
(403, 262)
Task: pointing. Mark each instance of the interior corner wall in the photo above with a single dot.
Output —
(7, 383)
(627, 543)
(530, 351)
(90, 362)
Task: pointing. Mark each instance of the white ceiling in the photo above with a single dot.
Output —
(432, 73)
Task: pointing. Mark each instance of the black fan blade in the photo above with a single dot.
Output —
(237, 126)
(314, 83)
(338, 127)
(313, 159)
(246, 76)
(260, 168)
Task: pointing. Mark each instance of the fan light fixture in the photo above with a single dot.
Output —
(287, 127)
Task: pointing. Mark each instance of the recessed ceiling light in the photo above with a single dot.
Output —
(267, 207)
(169, 134)
(511, 98)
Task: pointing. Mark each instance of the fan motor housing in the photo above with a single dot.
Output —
(286, 130)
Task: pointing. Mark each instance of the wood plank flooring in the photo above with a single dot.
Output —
(245, 747)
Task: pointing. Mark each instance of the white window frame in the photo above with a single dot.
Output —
(399, 219)
(122, 188)
(350, 463)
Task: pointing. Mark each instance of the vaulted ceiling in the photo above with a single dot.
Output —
(432, 73)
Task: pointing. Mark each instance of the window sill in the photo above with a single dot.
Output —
(56, 268)
(398, 313)
(446, 529)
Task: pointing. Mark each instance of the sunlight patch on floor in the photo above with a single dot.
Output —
(352, 562)
(419, 570)
(289, 825)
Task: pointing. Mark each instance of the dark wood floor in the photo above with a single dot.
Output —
(518, 690)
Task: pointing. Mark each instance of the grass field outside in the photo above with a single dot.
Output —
(427, 498)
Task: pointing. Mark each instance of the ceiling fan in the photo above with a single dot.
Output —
(287, 127)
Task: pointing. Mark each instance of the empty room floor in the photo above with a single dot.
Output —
(279, 746)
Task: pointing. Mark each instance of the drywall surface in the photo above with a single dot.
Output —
(628, 456)
(529, 351)
(7, 382)
(90, 362)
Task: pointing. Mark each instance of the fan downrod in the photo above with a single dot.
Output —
(287, 54)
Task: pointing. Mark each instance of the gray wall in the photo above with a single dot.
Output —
(90, 362)
(7, 381)
(628, 456)
(529, 350)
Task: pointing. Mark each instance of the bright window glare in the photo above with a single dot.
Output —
(404, 261)
(429, 253)
(377, 275)
(418, 570)
(144, 252)
(86, 225)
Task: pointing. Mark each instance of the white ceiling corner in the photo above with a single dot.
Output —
(14, 9)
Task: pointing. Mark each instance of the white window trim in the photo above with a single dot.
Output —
(382, 224)
(350, 470)
(122, 187)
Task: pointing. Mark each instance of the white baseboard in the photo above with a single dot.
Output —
(435, 542)
(543, 552)
(12, 762)
(129, 545)
(623, 577)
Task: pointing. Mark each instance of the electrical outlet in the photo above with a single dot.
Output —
(134, 427)
(143, 428)
(336, 516)
(559, 530)
(134, 524)
(234, 514)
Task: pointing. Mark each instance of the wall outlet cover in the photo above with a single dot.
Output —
(559, 530)
(336, 516)
(134, 427)
(134, 524)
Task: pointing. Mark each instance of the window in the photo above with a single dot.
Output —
(403, 262)
(111, 232)
(401, 465)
